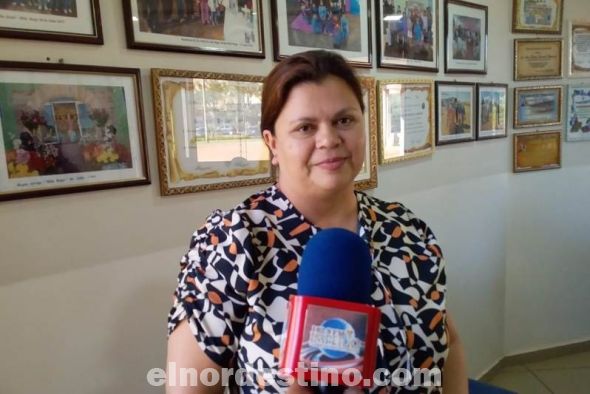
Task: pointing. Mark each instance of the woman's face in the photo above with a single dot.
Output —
(319, 140)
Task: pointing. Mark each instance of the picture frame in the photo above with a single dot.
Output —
(208, 131)
(537, 106)
(455, 112)
(395, 49)
(406, 119)
(231, 30)
(577, 127)
(538, 150)
(367, 177)
(342, 29)
(492, 114)
(538, 58)
(69, 128)
(579, 51)
(537, 16)
(74, 21)
(466, 37)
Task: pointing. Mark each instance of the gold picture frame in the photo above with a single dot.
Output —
(367, 177)
(538, 58)
(538, 150)
(208, 131)
(579, 52)
(537, 16)
(537, 106)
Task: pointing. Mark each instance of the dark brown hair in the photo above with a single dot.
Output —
(311, 66)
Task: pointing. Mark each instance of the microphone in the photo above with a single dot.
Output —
(332, 329)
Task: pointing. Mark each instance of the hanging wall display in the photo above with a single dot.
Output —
(537, 106)
(537, 58)
(539, 150)
(466, 36)
(579, 49)
(455, 112)
(577, 127)
(537, 16)
(367, 177)
(491, 111)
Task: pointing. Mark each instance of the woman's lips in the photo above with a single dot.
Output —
(332, 163)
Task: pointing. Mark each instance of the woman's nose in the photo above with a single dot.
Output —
(328, 137)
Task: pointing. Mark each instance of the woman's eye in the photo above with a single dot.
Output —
(305, 128)
(346, 121)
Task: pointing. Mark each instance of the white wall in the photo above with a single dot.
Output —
(86, 279)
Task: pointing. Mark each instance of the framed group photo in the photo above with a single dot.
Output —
(466, 34)
(407, 34)
(367, 177)
(579, 50)
(537, 106)
(577, 127)
(217, 28)
(538, 150)
(70, 21)
(339, 26)
(67, 128)
(538, 58)
(455, 112)
(491, 111)
(537, 16)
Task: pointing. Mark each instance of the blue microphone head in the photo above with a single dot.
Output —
(336, 264)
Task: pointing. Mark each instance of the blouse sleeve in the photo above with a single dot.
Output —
(212, 286)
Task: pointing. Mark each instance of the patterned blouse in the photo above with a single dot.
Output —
(242, 265)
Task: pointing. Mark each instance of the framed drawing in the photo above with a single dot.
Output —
(340, 26)
(578, 113)
(67, 128)
(208, 131)
(402, 47)
(539, 150)
(407, 120)
(466, 36)
(579, 55)
(537, 58)
(367, 177)
(537, 106)
(70, 21)
(537, 16)
(491, 111)
(455, 112)
(215, 28)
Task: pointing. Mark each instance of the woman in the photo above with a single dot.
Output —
(230, 305)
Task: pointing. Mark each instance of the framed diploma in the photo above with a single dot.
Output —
(491, 110)
(455, 112)
(466, 36)
(578, 113)
(537, 16)
(537, 58)
(537, 106)
(540, 150)
(367, 177)
(407, 120)
(579, 55)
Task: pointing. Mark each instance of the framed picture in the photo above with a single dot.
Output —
(491, 110)
(208, 131)
(578, 113)
(68, 128)
(466, 35)
(407, 34)
(407, 120)
(537, 106)
(367, 177)
(579, 55)
(455, 112)
(537, 16)
(70, 21)
(539, 150)
(211, 27)
(537, 58)
(340, 26)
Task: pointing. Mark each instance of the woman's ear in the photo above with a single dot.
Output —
(271, 143)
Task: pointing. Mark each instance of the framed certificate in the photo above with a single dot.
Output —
(578, 113)
(539, 150)
(579, 55)
(537, 106)
(537, 58)
(537, 16)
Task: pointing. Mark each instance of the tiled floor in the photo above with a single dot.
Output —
(559, 375)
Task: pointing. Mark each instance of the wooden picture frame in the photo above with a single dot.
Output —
(492, 114)
(345, 30)
(73, 21)
(227, 31)
(577, 127)
(538, 58)
(69, 128)
(455, 112)
(367, 177)
(537, 16)
(537, 106)
(208, 131)
(466, 37)
(538, 150)
(579, 50)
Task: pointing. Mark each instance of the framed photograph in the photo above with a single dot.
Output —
(70, 21)
(491, 111)
(537, 16)
(539, 150)
(537, 106)
(231, 27)
(208, 131)
(537, 58)
(69, 128)
(466, 37)
(578, 113)
(340, 26)
(367, 177)
(455, 112)
(579, 55)
(407, 34)
(407, 120)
